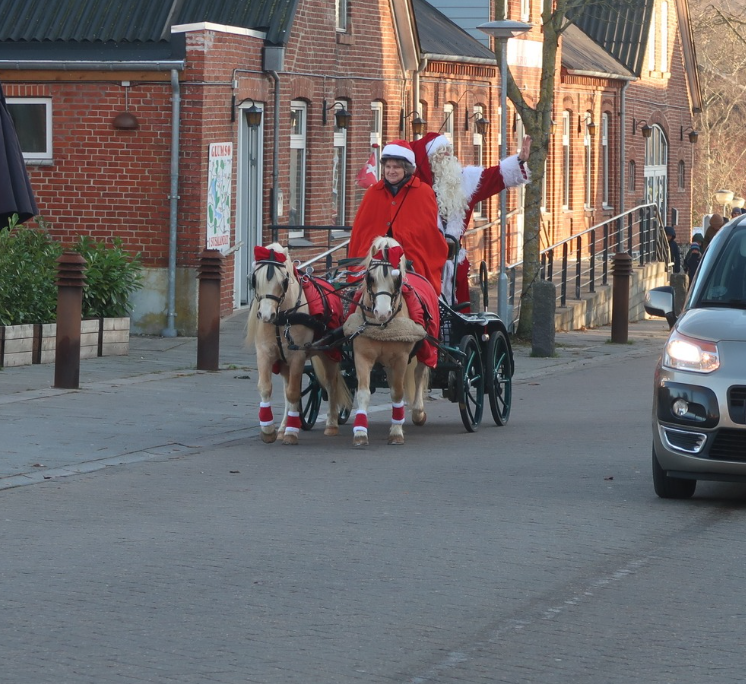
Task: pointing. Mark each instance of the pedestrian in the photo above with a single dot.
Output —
(401, 206)
(736, 212)
(691, 260)
(458, 190)
(673, 248)
(715, 224)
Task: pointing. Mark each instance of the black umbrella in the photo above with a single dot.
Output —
(16, 196)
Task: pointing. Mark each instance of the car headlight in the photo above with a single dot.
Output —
(689, 354)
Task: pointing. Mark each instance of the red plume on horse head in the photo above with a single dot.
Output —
(393, 256)
(262, 254)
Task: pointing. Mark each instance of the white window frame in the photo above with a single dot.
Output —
(376, 133)
(525, 10)
(478, 141)
(298, 142)
(339, 173)
(341, 15)
(588, 145)
(664, 37)
(566, 161)
(46, 155)
(605, 161)
(448, 115)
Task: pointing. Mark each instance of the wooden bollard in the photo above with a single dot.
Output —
(70, 281)
(620, 298)
(208, 317)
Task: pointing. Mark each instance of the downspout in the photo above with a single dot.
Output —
(416, 85)
(622, 144)
(275, 154)
(170, 330)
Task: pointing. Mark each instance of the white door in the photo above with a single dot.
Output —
(656, 171)
(249, 203)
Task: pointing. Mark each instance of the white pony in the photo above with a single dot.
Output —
(383, 332)
(273, 327)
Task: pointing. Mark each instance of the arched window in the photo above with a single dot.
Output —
(566, 173)
(605, 160)
(682, 175)
(588, 144)
(631, 176)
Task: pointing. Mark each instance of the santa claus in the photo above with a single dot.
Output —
(458, 190)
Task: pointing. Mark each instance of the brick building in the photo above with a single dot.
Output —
(136, 120)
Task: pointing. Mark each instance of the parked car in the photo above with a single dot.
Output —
(699, 397)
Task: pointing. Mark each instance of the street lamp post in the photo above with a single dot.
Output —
(724, 197)
(501, 31)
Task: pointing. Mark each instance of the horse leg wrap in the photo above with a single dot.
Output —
(265, 414)
(397, 413)
(293, 424)
(361, 423)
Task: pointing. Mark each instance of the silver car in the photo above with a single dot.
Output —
(699, 400)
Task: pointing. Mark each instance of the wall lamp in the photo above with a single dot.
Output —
(693, 135)
(590, 126)
(126, 120)
(480, 123)
(342, 116)
(647, 130)
(253, 113)
(418, 123)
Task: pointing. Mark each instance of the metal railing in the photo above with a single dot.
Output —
(581, 262)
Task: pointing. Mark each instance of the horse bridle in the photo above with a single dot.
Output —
(270, 265)
(397, 293)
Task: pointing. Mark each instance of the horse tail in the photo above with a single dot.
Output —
(320, 368)
(252, 324)
(414, 367)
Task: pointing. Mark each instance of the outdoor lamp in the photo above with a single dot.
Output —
(646, 129)
(418, 123)
(501, 31)
(480, 123)
(341, 115)
(724, 196)
(693, 135)
(738, 202)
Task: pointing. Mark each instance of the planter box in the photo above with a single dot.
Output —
(114, 337)
(16, 345)
(89, 333)
(45, 342)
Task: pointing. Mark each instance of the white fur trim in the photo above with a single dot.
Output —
(455, 226)
(436, 143)
(511, 172)
(461, 255)
(398, 151)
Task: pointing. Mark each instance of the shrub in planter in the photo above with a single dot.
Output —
(113, 275)
(28, 270)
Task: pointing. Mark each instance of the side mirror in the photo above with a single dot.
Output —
(659, 303)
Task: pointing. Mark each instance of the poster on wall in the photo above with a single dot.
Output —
(219, 196)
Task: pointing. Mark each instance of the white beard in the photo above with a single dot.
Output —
(447, 177)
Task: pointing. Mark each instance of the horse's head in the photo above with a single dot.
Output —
(385, 267)
(272, 277)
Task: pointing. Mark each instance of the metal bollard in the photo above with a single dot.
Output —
(70, 281)
(622, 271)
(208, 318)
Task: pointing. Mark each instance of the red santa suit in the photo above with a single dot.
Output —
(477, 184)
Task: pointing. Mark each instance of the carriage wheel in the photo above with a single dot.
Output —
(499, 374)
(310, 398)
(471, 384)
(484, 284)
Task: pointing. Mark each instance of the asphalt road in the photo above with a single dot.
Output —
(536, 552)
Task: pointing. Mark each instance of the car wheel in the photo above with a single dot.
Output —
(668, 487)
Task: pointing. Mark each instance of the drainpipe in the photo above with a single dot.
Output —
(622, 144)
(416, 84)
(170, 330)
(275, 153)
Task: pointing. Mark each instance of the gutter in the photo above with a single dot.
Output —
(87, 65)
(601, 74)
(433, 57)
(170, 330)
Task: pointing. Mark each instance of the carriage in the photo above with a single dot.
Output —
(474, 359)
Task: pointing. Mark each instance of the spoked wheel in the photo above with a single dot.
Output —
(471, 384)
(499, 374)
(484, 284)
(310, 398)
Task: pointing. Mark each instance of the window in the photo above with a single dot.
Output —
(376, 133)
(448, 114)
(664, 37)
(651, 44)
(478, 151)
(682, 175)
(32, 118)
(341, 15)
(297, 199)
(605, 162)
(525, 10)
(588, 144)
(339, 171)
(566, 160)
(544, 187)
(631, 181)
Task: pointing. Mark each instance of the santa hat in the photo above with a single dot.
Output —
(398, 149)
(423, 148)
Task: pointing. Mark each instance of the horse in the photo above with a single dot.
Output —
(382, 331)
(281, 327)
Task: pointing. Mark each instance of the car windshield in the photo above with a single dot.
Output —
(723, 280)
